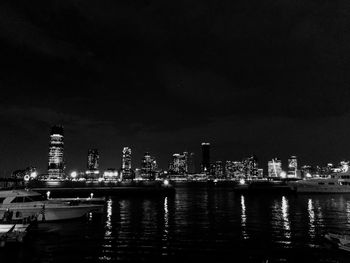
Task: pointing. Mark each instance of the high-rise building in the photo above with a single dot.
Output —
(179, 164)
(92, 171)
(205, 167)
(190, 164)
(56, 165)
(219, 170)
(292, 166)
(250, 166)
(93, 158)
(126, 164)
(274, 168)
(148, 167)
(234, 169)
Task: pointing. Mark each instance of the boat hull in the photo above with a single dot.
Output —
(52, 213)
(308, 188)
(13, 232)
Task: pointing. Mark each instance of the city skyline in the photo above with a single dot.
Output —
(179, 163)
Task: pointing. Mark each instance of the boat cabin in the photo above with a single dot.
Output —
(19, 196)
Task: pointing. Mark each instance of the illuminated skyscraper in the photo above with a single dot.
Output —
(205, 157)
(93, 157)
(274, 168)
(92, 171)
(179, 164)
(292, 166)
(56, 147)
(126, 163)
(250, 166)
(148, 167)
(219, 170)
(234, 169)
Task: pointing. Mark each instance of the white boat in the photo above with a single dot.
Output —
(12, 233)
(342, 241)
(334, 183)
(23, 204)
(338, 238)
(88, 200)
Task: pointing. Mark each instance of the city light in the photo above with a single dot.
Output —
(33, 175)
(74, 174)
(166, 182)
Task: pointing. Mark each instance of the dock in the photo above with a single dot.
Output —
(99, 189)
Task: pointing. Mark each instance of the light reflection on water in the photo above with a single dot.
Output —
(201, 223)
(243, 218)
(166, 227)
(311, 213)
(107, 245)
(285, 218)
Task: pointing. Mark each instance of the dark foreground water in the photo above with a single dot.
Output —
(212, 224)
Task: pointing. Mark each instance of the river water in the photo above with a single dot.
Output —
(198, 223)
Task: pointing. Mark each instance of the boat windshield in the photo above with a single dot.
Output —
(36, 198)
(26, 199)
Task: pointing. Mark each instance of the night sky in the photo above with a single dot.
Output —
(269, 78)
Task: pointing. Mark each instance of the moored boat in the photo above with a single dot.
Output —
(342, 241)
(334, 183)
(12, 233)
(263, 186)
(23, 203)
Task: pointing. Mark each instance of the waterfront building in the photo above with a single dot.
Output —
(179, 164)
(228, 169)
(219, 170)
(234, 169)
(138, 175)
(191, 168)
(306, 171)
(56, 164)
(25, 174)
(212, 169)
(260, 173)
(292, 167)
(148, 167)
(126, 164)
(111, 174)
(344, 166)
(250, 167)
(93, 159)
(92, 171)
(205, 166)
(274, 168)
